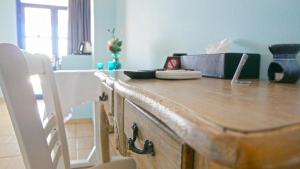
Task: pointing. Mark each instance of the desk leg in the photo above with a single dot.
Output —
(200, 162)
(120, 138)
(104, 135)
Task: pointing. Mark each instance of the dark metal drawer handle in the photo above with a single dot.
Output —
(148, 145)
(104, 97)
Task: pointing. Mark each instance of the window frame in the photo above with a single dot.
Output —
(54, 24)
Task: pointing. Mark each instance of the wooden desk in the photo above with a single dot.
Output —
(241, 126)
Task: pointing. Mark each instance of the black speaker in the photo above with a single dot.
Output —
(284, 68)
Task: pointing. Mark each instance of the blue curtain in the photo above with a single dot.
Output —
(79, 24)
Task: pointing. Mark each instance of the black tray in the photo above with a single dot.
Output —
(141, 74)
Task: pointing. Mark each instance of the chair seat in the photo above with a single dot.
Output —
(120, 164)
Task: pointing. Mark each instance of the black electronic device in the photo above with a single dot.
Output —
(284, 68)
(140, 74)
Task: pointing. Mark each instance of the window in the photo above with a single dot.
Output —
(43, 27)
(63, 32)
(47, 2)
(38, 37)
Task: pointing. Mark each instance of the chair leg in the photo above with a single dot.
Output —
(104, 135)
(100, 152)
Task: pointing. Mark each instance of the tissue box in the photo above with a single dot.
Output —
(222, 65)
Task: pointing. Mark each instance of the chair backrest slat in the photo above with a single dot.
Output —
(34, 64)
(47, 94)
(42, 141)
(57, 155)
(53, 140)
(49, 124)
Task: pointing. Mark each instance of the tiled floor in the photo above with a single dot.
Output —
(79, 136)
(80, 139)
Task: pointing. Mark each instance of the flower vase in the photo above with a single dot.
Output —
(116, 57)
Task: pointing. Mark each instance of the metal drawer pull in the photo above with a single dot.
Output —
(104, 97)
(148, 145)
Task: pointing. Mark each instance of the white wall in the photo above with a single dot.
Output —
(8, 23)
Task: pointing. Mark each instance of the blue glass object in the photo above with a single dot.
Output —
(118, 64)
(115, 55)
(100, 66)
(111, 65)
(115, 63)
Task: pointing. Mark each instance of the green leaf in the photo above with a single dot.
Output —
(119, 43)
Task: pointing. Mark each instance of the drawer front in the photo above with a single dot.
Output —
(168, 151)
(108, 103)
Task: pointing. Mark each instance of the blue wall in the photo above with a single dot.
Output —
(83, 111)
(8, 23)
(157, 28)
(104, 15)
(8, 20)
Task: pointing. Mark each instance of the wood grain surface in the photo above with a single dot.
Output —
(240, 126)
(167, 150)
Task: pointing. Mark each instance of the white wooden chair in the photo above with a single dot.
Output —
(42, 141)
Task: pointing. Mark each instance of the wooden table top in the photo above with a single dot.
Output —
(238, 125)
(244, 108)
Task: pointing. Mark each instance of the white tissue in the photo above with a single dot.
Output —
(220, 47)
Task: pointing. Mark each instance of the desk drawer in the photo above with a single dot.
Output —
(167, 149)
